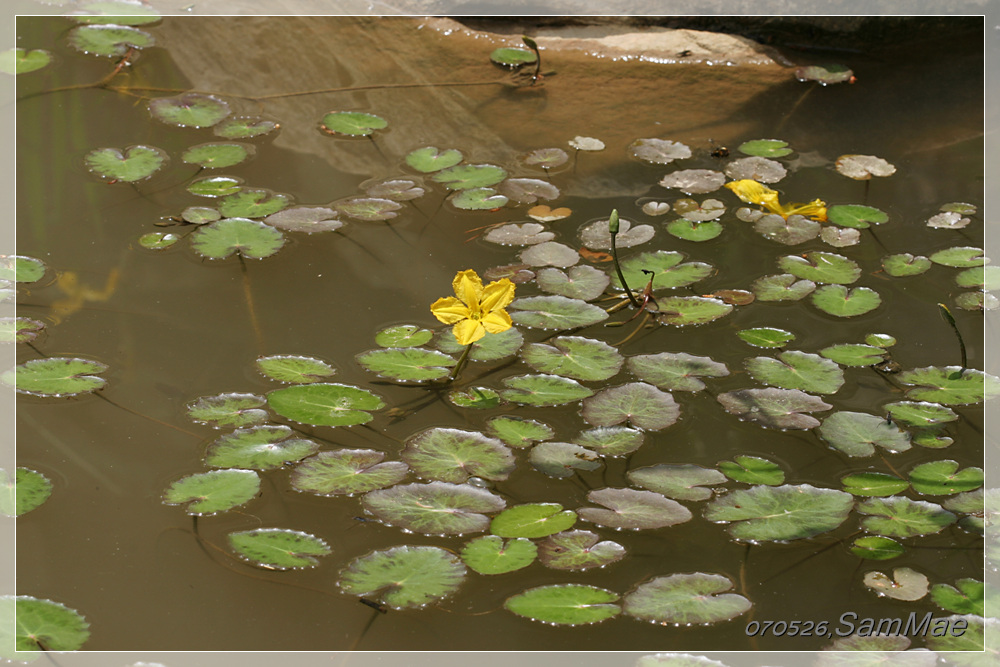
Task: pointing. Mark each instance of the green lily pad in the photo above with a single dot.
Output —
(687, 310)
(686, 599)
(189, 110)
(532, 520)
(970, 502)
(431, 159)
(783, 287)
(876, 547)
(897, 516)
(766, 337)
(200, 215)
(44, 625)
(931, 437)
(404, 577)
(217, 156)
(555, 312)
(452, 455)
(858, 433)
(21, 269)
(32, 488)
(941, 478)
(436, 508)
(675, 371)
(230, 409)
(752, 470)
(977, 301)
(278, 548)
(765, 148)
(669, 270)
(463, 177)
(680, 482)
(630, 509)
(491, 554)
(546, 158)
(905, 264)
(543, 390)
(950, 385)
(960, 257)
(856, 216)
(690, 230)
(839, 301)
(578, 282)
(967, 596)
(19, 329)
(979, 277)
(408, 364)
(403, 335)
(564, 604)
(490, 347)
(878, 484)
(778, 513)
(578, 550)
(249, 238)
(574, 356)
(108, 40)
(880, 340)
(512, 56)
(977, 634)
(253, 203)
(56, 376)
(611, 440)
(347, 472)
(120, 12)
(258, 448)
(528, 190)
(821, 267)
(856, 355)
(293, 368)
(369, 209)
(658, 151)
(135, 163)
(325, 404)
(562, 459)
(479, 398)
(22, 61)
(244, 127)
(905, 584)
(919, 413)
(478, 199)
(519, 432)
(353, 123)
(212, 492)
(215, 186)
(793, 230)
(640, 404)
(824, 74)
(794, 369)
(774, 408)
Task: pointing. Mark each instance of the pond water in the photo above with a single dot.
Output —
(173, 326)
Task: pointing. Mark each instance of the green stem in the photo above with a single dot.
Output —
(461, 363)
(946, 314)
(613, 228)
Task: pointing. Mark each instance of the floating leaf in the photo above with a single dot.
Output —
(512, 56)
(578, 550)
(527, 190)
(278, 548)
(56, 376)
(668, 267)
(244, 127)
(353, 123)
(325, 404)
(108, 40)
(44, 625)
(490, 347)
(794, 369)
(346, 472)
(694, 181)
(753, 470)
(586, 144)
(252, 203)
(452, 455)
(960, 257)
(640, 404)
(403, 335)
(407, 364)
(675, 371)
(766, 337)
(656, 208)
(597, 237)
(876, 547)
(22, 61)
(697, 232)
(765, 148)
(230, 409)
(369, 209)
(199, 215)
(686, 599)
(680, 482)
(854, 355)
(21, 269)
(790, 231)
(968, 596)
(562, 459)
(863, 167)
(431, 159)
(964, 633)
(215, 186)
(543, 213)
(217, 156)
(436, 508)
(19, 329)
(919, 413)
(527, 233)
(121, 12)
(897, 516)
(686, 310)
(979, 277)
(564, 604)
(578, 282)
(214, 491)
(782, 287)
(778, 513)
(477, 199)
(977, 301)
(948, 220)
(858, 433)
(840, 238)
(950, 385)
(135, 163)
(931, 437)
(821, 267)
(550, 253)
(404, 577)
(574, 356)
(189, 110)
(32, 488)
(250, 238)
(856, 216)
(463, 177)
(760, 169)
(294, 368)
(658, 151)
(710, 209)
(905, 584)
(877, 484)
(555, 312)
(824, 74)
(519, 432)
(532, 520)
(940, 478)
(840, 301)
(397, 189)
(491, 554)
(258, 448)
(611, 440)
(774, 408)
(633, 510)
(546, 158)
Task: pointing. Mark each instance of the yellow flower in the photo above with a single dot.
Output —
(478, 309)
(753, 192)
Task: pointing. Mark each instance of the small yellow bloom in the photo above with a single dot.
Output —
(753, 192)
(478, 309)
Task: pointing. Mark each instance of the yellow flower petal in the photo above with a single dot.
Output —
(816, 209)
(468, 331)
(752, 192)
(497, 294)
(469, 288)
(497, 321)
(450, 310)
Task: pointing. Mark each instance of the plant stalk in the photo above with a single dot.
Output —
(613, 228)
(461, 363)
(946, 314)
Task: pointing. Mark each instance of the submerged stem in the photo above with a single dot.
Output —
(248, 294)
(946, 314)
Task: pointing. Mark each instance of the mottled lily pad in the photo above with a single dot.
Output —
(611, 440)
(404, 577)
(527, 190)
(948, 220)
(675, 371)
(397, 189)
(562, 459)
(597, 236)
(905, 584)
(575, 357)
(189, 110)
(658, 151)
(347, 472)
(19, 329)
(774, 408)
(686, 599)
(564, 604)
(526, 233)
(793, 230)
(56, 376)
(669, 269)
(491, 554)
(856, 355)
(214, 491)
(694, 181)
(950, 385)
(519, 432)
(897, 516)
(368, 209)
(436, 508)
(532, 520)
(795, 369)
(478, 199)
(858, 433)
(253, 203)
(244, 127)
(840, 238)
(582, 282)
(555, 312)
(325, 404)
(109, 41)
(863, 167)
(640, 404)
(135, 163)
(258, 448)
(778, 513)
(630, 509)
(463, 177)
(453, 455)
(407, 364)
(710, 209)
(546, 158)
(353, 123)
(478, 398)
(680, 482)
(821, 267)
(856, 216)
(760, 169)
(578, 550)
(940, 478)
(228, 410)
(43, 625)
(278, 548)
(251, 239)
(294, 368)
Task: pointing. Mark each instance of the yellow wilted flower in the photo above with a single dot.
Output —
(478, 309)
(753, 192)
